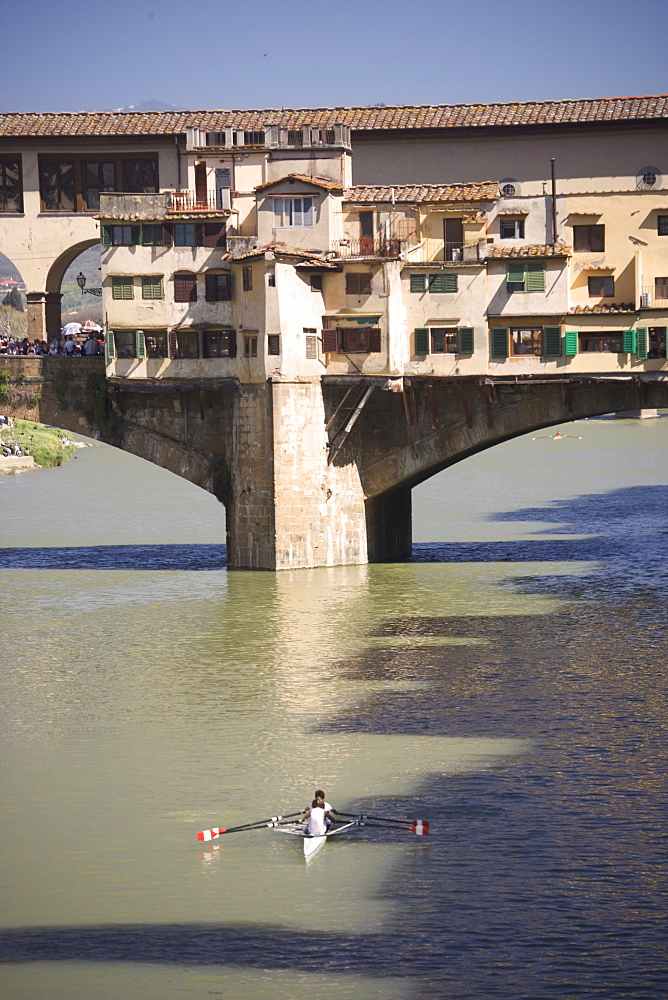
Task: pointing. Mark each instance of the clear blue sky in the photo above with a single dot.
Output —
(93, 55)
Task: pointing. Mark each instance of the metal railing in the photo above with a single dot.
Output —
(370, 246)
(429, 250)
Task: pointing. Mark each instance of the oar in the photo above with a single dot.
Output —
(417, 826)
(259, 824)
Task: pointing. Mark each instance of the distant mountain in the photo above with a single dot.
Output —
(150, 105)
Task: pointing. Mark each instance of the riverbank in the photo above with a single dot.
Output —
(41, 447)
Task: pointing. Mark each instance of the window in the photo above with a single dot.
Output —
(57, 185)
(187, 344)
(122, 287)
(254, 138)
(218, 287)
(271, 279)
(315, 281)
(295, 137)
(151, 235)
(418, 282)
(601, 285)
(605, 343)
(509, 188)
(247, 278)
(250, 345)
(444, 340)
(311, 343)
(214, 235)
(358, 283)
(293, 212)
(443, 282)
(121, 236)
(184, 234)
(219, 344)
(662, 225)
(97, 175)
(661, 288)
(589, 238)
(140, 176)
(351, 340)
(185, 288)
(657, 342)
(11, 187)
(512, 229)
(273, 343)
(648, 178)
(125, 343)
(526, 340)
(525, 276)
(151, 286)
(156, 344)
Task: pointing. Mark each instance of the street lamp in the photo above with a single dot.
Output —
(81, 281)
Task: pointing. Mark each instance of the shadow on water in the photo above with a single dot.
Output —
(121, 557)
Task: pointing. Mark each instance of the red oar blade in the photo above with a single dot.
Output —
(420, 827)
(210, 834)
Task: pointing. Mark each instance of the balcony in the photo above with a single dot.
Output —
(428, 251)
(370, 246)
(206, 201)
(654, 296)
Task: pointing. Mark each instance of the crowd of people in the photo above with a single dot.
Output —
(69, 346)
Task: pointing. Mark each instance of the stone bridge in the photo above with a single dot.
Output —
(313, 472)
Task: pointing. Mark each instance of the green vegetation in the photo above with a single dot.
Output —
(5, 381)
(43, 443)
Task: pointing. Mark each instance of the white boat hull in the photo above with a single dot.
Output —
(312, 845)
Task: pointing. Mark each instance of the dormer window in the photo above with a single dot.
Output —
(512, 229)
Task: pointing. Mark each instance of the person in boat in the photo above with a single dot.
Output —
(319, 820)
(322, 803)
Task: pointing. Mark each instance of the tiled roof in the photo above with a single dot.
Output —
(364, 119)
(534, 250)
(370, 193)
(322, 182)
(613, 307)
(283, 250)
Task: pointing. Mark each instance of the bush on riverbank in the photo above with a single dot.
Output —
(43, 443)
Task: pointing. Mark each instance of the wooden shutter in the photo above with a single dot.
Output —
(173, 344)
(232, 343)
(500, 342)
(552, 341)
(641, 337)
(466, 340)
(374, 340)
(215, 235)
(571, 343)
(185, 288)
(107, 237)
(535, 281)
(629, 342)
(140, 344)
(210, 287)
(110, 345)
(330, 342)
(516, 273)
(418, 282)
(167, 236)
(422, 340)
(442, 282)
(135, 235)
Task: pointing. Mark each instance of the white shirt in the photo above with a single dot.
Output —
(316, 825)
(327, 807)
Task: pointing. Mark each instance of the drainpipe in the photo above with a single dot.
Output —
(178, 161)
(554, 204)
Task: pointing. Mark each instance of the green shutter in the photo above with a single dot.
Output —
(140, 344)
(629, 342)
(499, 342)
(443, 282)
(110, 344)
(466, 340)
(552, 341)
(515, 273)
(418, 282)
(122, 288)
(450, 282)
(571, 343)
(535, 276)
(136, 235)
(422, 341)
(641, 336)
(107, 239)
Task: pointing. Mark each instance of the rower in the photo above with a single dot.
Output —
(319, 794)
(318, 819)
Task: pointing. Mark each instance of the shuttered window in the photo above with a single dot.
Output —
(110, 345)
(330, 342)
(444, 340)
(122, 287)
(185, 288)
(218, 287)
(247, 278)
(151, 234)
(500, 342)
(552, 341)
(571, 343)
(140, 344)
(214, 235)
(219, 344)
(443, 282)
(525, 276)
(422, 341)
(418, 282)
(641, 343)
(358, 283)
(121, 236)
(151, 286)
(466, 340)
(629, 342)
(273, 344)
